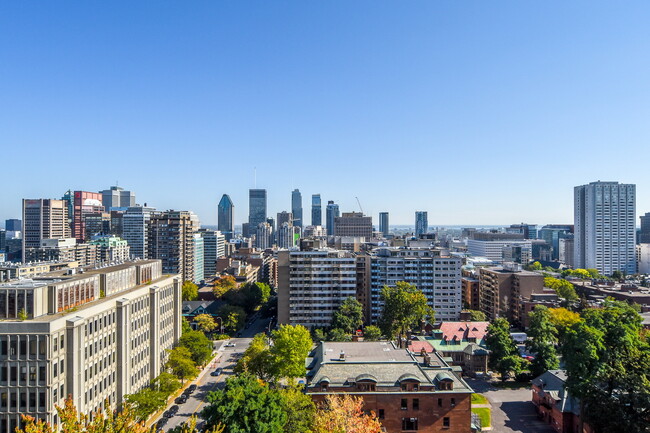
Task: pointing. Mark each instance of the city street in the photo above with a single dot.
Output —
(225, 359)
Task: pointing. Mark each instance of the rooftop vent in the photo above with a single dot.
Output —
(342, 356)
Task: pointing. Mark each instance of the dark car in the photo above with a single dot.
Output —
(181, 399)
(168, 414)
(174, 409)
(161, 422)
(191, 388)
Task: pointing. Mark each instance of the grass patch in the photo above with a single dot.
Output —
(511, 385)
(484, 414)
(479, 399)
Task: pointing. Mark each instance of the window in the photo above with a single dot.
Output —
(439, 402)
(409, 423)
(404, 404)
(445, 422)
(381, 414)
(453, 402)
(416, 404)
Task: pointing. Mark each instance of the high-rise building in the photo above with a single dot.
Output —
(263, 236)
(96, 223)
(287, 235)
(552, 233)
(226, 217)
(331, 213)
(84, 202)
(135, 227)
(13, 225)
(111, 249)
(199, 257)
(285, 217)
(528, 230)
(383, 223)
(644, 234)
(353, 224)
(94, 336)
(44, 219)
(171, 239)
(117, 197)
(421, 223)
(214, 246)
(605, 232)
(296, 208)
(316, 210)
(256, 207)
(566, 251)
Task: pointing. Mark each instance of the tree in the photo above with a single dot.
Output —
(562, 319)
(190, 291)
(476, 316)
(344, 414)
(535, 266)
(291, 345)
(581, 273)
(146, 401)
(543, 337)
(248, 296)
(349, 316)
(189, 426)
(111, 421)
(165, 382)
(205, 322)
(300, 409)
(404, 308)
(617, 275)
(318, 335)
(233, 316)
(594, 273)
(185, 326)
(371, 333)
(563, 288)
(337, 334)
(223, 285)
(257, 359)
(246, 404)
(198, 344)
(180, 363)
(502, 348)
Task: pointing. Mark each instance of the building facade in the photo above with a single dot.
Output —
(44, 219)
(421, 223)
(383, 223)
(316, 210)
(257, 207)
(226, 217)
(296, 208)
(171, 239)
(353, 224)
(135, 230)
(84, 202)
(214, 246)
(117, 197)
(331, 213)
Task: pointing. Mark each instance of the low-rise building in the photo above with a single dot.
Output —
(554, 405)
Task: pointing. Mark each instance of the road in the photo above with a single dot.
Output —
(225, 359)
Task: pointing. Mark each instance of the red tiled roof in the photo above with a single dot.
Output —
(416, 346)
(463, 330)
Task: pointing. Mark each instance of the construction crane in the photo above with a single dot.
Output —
(359, 204)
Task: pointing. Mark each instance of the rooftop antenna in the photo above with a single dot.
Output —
(255, 177)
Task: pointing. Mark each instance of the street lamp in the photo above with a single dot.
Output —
(220, 324)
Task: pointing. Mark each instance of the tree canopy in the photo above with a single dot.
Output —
(405, 306)
(344, 414)
(223, 285)
(371, 333)
(233, 316)
(198, 344)
(180, 363)
(349, 316)
(504, 355)
(563, 288)
(476, 316)
(190, 291)
(542, 340)
(291, 345)
(205, 322)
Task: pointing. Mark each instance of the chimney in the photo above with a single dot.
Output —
(342, 356)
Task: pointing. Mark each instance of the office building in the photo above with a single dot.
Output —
(135, 230)
(528, 230)
(316, 210)
(199, 258)
(296, 208)
(644, 234)
(383, 223)
(43, 219)
(171, 239)
(63, 250)
(437, 276)
(214, 246)
(285, 217)
(566, 251)
(421, 223)
(605, 232)
(552, 233)
(117, 197)
(226, 217)
(518, 253)
(84, 202)
(13, 225)
(491, 245)
(313, 284)
(257, 207)
(264, 236)
(331, 213)
(96, 224)
(94, 336)
(353, 224)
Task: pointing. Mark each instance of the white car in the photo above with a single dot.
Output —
(230, 344)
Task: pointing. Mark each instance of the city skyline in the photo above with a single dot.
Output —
(432, 82)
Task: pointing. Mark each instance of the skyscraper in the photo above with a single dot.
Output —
(644, 234)
(383, 223)
(135, 225)
(171, 239)
(316, 210)
(331, 212)
(116, 197)
(605, 214)
(296, 207)
(421, 223)
(84, 202)
(285, 217)
(256, 207)
(44, 219)
(226, 217)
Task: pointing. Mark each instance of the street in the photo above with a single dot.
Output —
(225, 359)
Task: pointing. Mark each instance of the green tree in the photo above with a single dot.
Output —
(189, 426)
(180, 363)
(248, 296)
(190, 291)
(542, 339)
(581, 273)
(222, 285)
(535, 266)
(205, 323)
(318, 335)
(166, 383)
(349, 316)
(594, 273)
(337, 334)
(617, 275)
(258, 360)
(185, 326)
(371, 333)
(291, 345)
(246, 405)
(476, 316)
(146, 401)
(199, 345)
(299, 408)
(233, 316)
(502, 348)
(563, 288)
(404, 308)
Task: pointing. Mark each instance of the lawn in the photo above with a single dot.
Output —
(484, 414)
(479, 399)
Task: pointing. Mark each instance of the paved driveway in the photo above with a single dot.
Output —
(512, 410)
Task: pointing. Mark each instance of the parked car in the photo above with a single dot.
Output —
(168, 414)
(230, 344)
(181, 399)
(216, 372)
(174, 409)
(191, 388)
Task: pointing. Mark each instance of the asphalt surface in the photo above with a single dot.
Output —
(225, 359)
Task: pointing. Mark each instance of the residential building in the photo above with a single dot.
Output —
(331, 213)
(353, 224)
(135, 230)
(171, 239)
(312, 285)
(315, 232)
(264, 236)
(226, 217)
(644, 258)
(383, 223)
(63, 250)
(605, 214)
(554, 404)
(296, 208)
(199, 258)
(408, 391)
(437, 276)
(316, 210)
(421, 223)
(470, 289)
(94, 337)
(288, 235)
(214, 246)
(111, 249)
(84, 202)
(257, 207)
(566, 251)
(644, 234)
(504, 289)
(117, 197)
(43, 219)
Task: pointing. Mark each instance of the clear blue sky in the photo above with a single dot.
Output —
(478, 112)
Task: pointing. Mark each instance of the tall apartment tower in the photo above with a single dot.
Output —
(226, 217)
(44, 219)
(256, 208)
(383, 223)
(605, 215)
(135, 226)
(331, 213)
(171, 239)
(644, 234)
(296, 207)
(421, 223)
(117, 197)
(214, 244)
(83, 203)
(284, 217)
(316, 210)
